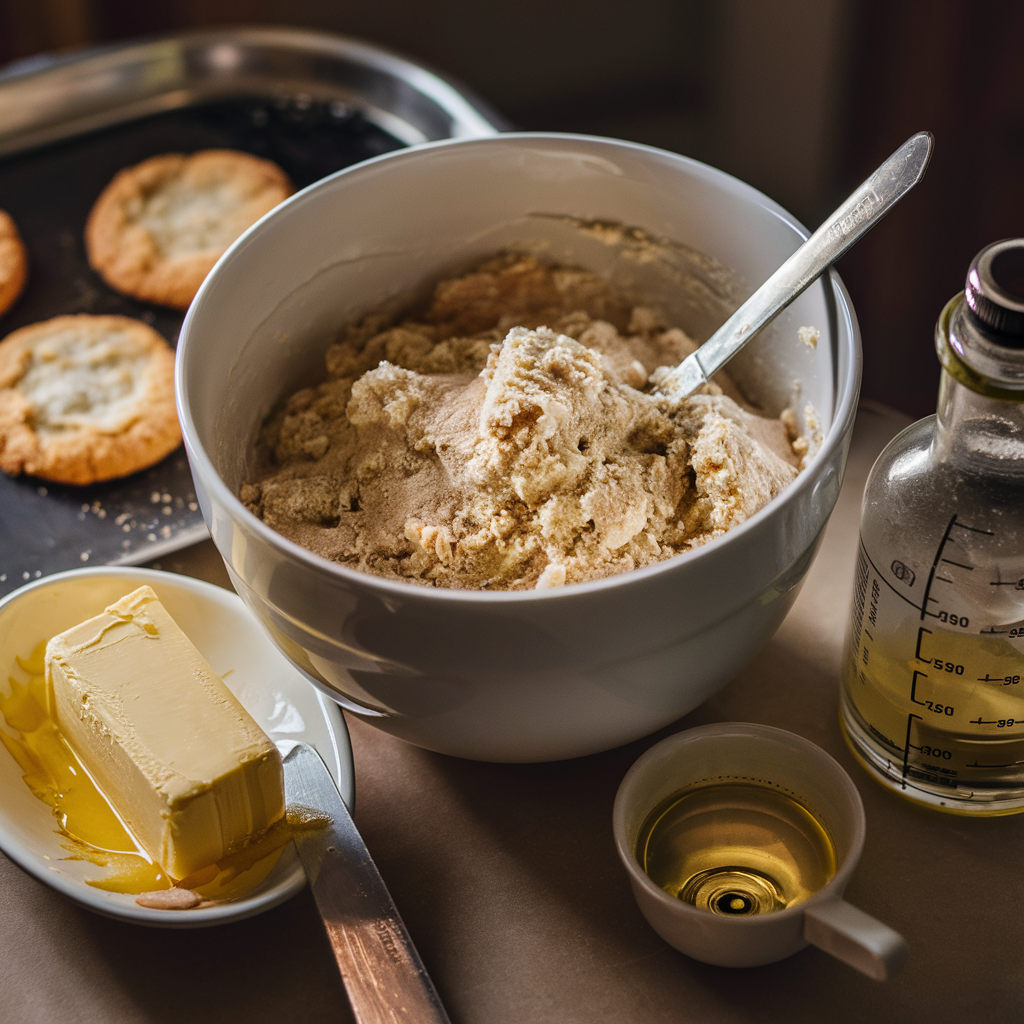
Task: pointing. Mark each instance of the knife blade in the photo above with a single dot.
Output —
(382, 972)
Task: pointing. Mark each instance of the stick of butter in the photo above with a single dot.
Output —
(176, 754)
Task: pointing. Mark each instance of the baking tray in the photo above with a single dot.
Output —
(313, 103)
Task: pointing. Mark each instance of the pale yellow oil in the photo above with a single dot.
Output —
(938, 712)
(88, 823)
(736, 849)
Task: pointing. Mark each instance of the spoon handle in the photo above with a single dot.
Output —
(858, 213)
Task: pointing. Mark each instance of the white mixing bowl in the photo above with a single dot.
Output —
(525, 676)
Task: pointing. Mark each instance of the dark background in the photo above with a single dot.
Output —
(802, 98)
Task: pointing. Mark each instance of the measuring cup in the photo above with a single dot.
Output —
(761, 756)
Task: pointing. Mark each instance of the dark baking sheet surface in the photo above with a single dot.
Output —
(45, 528)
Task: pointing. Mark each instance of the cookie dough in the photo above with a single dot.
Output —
(157, 229)
(85, 398)
(13, 263)
(505, 438)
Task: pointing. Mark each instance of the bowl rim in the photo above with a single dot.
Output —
(838, 303)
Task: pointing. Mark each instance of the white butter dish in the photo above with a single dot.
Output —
(281, 701)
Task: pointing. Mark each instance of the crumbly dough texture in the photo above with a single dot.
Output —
(13, 263)
(85, 398)
(503, 439)
(157, 229)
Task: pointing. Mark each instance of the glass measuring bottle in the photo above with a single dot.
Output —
(932, 697)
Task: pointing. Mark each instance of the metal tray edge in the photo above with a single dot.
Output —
(48, 99)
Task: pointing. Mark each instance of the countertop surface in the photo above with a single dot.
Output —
(508, 880)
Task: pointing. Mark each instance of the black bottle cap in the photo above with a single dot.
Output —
(995, 290)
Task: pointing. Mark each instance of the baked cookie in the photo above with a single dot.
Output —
(13, 263)
(158, 228)
(85, 398)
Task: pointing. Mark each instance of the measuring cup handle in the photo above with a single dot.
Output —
(856, 938)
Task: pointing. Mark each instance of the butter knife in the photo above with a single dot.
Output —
(383, 974)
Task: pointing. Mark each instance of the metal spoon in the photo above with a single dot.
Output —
(861, 211)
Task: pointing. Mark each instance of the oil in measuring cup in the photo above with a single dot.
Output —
(736, 849)
(739, 840)
(933, 679)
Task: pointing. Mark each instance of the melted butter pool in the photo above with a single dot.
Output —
(90, 827)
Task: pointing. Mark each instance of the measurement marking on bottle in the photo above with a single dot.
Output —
(959, 565)
(1016, 584)
(913, 688)
(906, 747)
(931, 573)
(920, 636)
(944, 616)
(975, 529)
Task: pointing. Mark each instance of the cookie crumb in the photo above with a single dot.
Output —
(809, 336)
